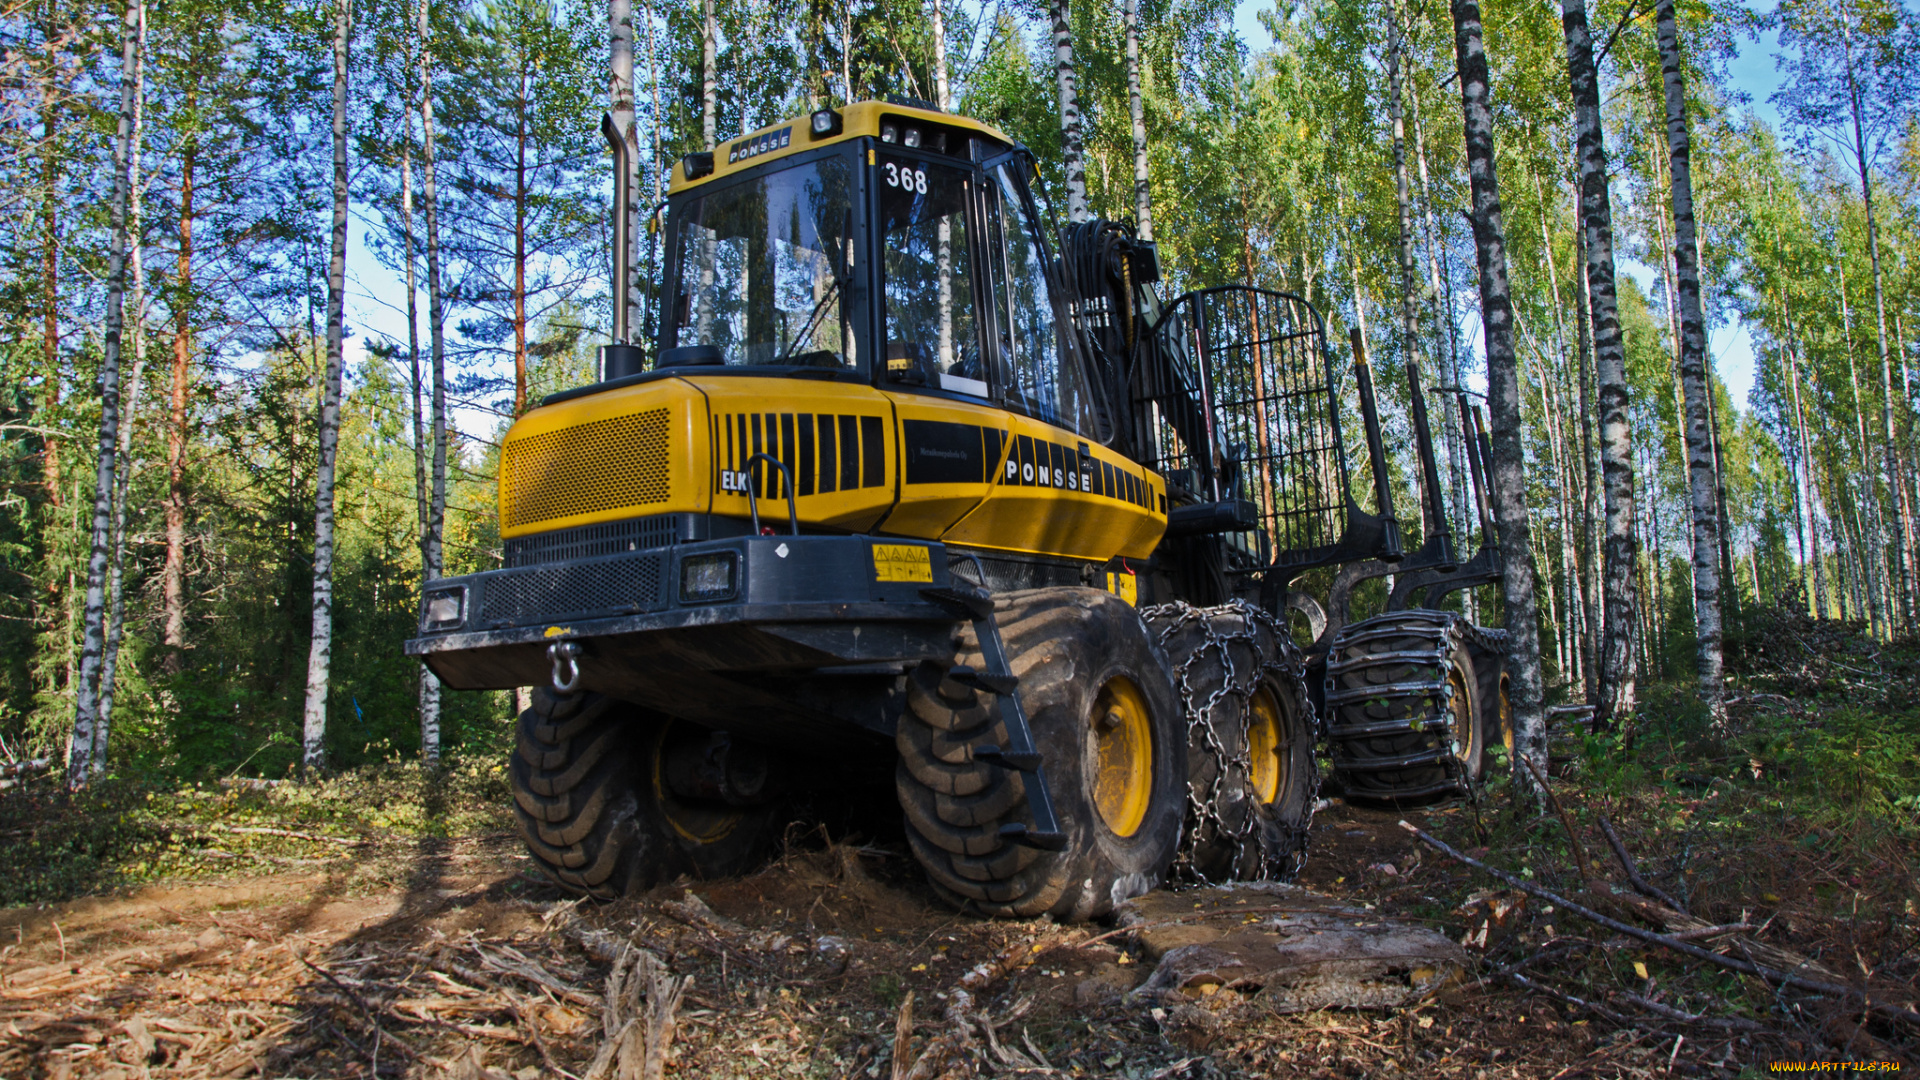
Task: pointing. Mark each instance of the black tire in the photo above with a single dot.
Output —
(594, 812)
(1413, 761)
(1073, 650)
(1241, 684)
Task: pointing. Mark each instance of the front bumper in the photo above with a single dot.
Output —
(797, 604)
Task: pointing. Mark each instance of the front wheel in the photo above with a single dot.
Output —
(597, 808)
(1251, 774)
(1100, 702)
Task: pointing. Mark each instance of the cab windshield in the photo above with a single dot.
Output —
(764, 266)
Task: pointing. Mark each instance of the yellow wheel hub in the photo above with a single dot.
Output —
(1466, 734)
(1506, 718)
(1122, 743)
(1266, 763)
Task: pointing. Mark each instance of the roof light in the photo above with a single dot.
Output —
(912, 139)
(889, 133)
(697, 165)
(826, 123)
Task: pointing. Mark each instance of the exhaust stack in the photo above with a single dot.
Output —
(621, 358)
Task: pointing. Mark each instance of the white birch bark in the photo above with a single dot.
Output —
(1619, 554)
(1503, 393)
(620, 95)
(944, 241)
(123, 465)
(1074, 152)
(320, 655)
(1136, 115)
(433, 546)
(80, 755)
(1701, 474)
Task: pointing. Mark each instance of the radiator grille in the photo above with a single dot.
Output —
(592, 541)
(610, 464)
(556, 592)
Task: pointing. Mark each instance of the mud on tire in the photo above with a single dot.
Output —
(595, 812)
(1090, 681)
(1251, 772)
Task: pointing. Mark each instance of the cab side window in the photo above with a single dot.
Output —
(1035, 379)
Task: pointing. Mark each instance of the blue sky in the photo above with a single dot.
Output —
(376, 299)
(1752, 71)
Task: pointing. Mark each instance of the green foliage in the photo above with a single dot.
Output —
(124, 833)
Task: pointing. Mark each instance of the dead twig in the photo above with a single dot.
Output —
(641, 1002)
(1573, 837)
(261, 831)
(1894, 1012)
(902, 1037)
(1646, 887)
(1591, 1006)
(366, 1010)
(1727, 1023)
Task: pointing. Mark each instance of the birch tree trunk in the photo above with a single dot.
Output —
(620, 97)
(432, 545)
(1701, 473)
(320, 656)
(123, 464)
(1137, 116)
(1073, 152)
(1900, 612)
(80, 757)
(1616, 682)
(1590, 527)
(709, 87)
(1866, 508)
(1503, 393)
(943, 240)
(418, 384)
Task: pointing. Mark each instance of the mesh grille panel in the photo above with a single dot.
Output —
(1248, 374)
(630, 584)
(606, 465)
(590, 541)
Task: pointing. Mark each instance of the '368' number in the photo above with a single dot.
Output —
(907, 177)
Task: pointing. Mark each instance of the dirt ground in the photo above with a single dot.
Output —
(451, 957)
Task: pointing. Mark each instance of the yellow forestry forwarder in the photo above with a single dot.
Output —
(903, 492)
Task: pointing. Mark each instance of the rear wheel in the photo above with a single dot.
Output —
(1097, 696)
(1407, 726)
(1250, 766)
(594, 805)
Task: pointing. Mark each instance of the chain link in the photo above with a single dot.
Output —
(1445, 630)
(1282, 662)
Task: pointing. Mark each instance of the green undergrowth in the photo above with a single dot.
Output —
(122, 833)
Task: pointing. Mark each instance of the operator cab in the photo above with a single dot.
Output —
(882, 244)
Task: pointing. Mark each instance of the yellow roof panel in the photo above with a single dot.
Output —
(792, 136)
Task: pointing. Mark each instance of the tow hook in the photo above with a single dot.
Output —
(565, 656)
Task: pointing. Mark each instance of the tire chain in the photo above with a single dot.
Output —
(1290, 667)
(1445, 628)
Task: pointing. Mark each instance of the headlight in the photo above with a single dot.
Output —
(444, 609)
(707, 577)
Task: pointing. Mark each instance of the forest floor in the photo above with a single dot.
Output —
(351, 932)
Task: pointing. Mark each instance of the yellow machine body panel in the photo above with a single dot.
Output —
(862, 118)
(606, 457)
(864, 460)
